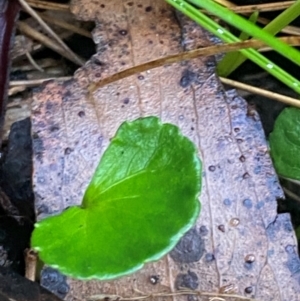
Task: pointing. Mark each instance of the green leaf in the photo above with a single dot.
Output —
(142, 198)
(285, 143)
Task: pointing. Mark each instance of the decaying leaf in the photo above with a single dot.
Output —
(239, 244)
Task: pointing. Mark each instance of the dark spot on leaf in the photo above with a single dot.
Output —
(190, 248)
(54, 128)
(203, 230)
(38, 146)
(209, 257)
(212, 168)
(248, 265)
(187, 78)
(102, 5)
(49, 105)
(130, 3)
(68, 151)
(247, 203)
(239, 141)
(123, 32)
(189, 280)
(141, 77)
(150, 42)
(249, 290)
(154, 279)
(227, 202)
(126, 101)
(81, 114)
(140, 5)
(242, 159)
(192, 128)
(236, 130)
(148, 9)
(246, 176)
(221, 228)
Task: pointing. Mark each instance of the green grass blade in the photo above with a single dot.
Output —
(275, 26)
(284, 19)
(232, 60)
(246, 26)
(228, 37)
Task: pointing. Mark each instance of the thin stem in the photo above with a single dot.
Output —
(59, 41)
(182, 56)
(254, 90)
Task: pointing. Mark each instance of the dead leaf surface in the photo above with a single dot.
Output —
(239, 244)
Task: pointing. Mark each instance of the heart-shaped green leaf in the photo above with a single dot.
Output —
(142, 199)
(285, 143)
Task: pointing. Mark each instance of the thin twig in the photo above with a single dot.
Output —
(31, 12)
(33, 63)
(36, 82)
(66, 25)
(43, 39)
(297, 182)
(272, 95)
(211, 50)
(257, 7)
(43, 63)
(48, 5)
(293, 30)
(291, 194)
(31, 259)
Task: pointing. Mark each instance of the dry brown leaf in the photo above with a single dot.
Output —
(239, 244)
